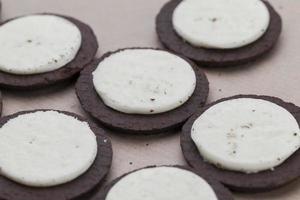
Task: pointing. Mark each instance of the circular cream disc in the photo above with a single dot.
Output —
(46, 148)
(220, 24)
(245, 134)
(144, 81)
(37, 43)
(161, 183)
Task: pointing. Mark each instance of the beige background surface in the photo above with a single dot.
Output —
(127, 23)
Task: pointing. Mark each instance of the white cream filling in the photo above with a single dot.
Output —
(46, 148)
(37, 43)
(144, 81)
(161, 183)
(246, 135)
(221, 24)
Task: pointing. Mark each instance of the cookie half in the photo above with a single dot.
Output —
(244, 145)
(142, 90)
(1, 103)
(163, 182)
(48, 154)
(209, 49)
(43, 49)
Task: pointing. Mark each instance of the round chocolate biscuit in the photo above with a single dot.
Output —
(216, 57)
(80, 188)
(85, 55)
(1, 103)
(138, 123)
(262, 181)
(221, 192)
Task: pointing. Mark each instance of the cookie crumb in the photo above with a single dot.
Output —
(214, 19)
(245, 126)
(231, 135)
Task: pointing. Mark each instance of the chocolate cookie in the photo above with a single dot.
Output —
(216, 57)
(137, 123)
(255, 182)
(84, 56)
(221, 192)
(1, 103)
(80, 188)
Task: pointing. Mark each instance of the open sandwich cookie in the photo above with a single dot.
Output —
(43, 49)
(163, 183)
(48, 154)
(1, 103)
(250, 143)
(142, 90)
(219, 33)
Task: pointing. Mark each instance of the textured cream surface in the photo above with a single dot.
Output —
(144, 81)
(46, 148)
(37, 43)
(161, 183)
(247, 135)
(221, 24)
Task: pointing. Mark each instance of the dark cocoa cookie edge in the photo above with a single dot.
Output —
(1, 103)
(79, 189)
(216, 57)
(238, 181)
(221, 192)
(85, 55)
(137, 123)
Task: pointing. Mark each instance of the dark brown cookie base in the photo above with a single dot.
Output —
(216, 57)
(1, 104)
(221, 192)
(134, 123)
(78, 189)
(258, 182)
(84, 56)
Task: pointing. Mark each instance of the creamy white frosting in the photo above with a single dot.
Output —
(221, 24)
(46, 148)
(246, 135)
(37, 43)
(144, 81)
(161, 183)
